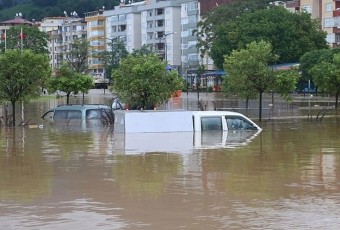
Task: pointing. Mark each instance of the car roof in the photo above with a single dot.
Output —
(81, 107)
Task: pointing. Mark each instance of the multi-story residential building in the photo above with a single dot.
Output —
(96, 35)
(328, 12)
(51, 23)
(62, 32)
(123, 24)
(154, 23)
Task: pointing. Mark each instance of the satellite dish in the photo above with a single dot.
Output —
(20, 14)
(16, 14)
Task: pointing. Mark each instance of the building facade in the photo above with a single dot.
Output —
(96, 35)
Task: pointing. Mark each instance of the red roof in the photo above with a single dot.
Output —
(16, 21)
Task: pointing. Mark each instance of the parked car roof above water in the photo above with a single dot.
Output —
(77, 113)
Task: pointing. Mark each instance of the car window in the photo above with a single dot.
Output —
(48, 115)
(238, 123)
(93, 113)
(67, 114)
(211, 123)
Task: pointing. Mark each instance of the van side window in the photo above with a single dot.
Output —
(238, 123)
(211, 123)
(67, 114)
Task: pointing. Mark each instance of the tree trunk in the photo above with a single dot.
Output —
(337, 99)
(68, 98)
(260, 107)
(13, 113)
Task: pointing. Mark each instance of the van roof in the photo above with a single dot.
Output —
(82, 106)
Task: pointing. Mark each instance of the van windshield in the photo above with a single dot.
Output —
(94, 113)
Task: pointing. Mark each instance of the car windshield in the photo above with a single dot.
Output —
(94, 113)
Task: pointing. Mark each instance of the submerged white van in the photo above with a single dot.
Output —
(145, 121)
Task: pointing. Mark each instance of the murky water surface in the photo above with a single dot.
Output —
(286, 177)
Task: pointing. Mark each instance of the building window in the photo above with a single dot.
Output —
(192, 18)
(193, 57)
(121, 28)
(149, 24)
(184, 21)
(160, 11)
(121, 17)
(192, 6)
(114, 18)
(328, 7)
(329, 22)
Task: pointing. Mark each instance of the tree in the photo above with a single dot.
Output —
(326, 76)
(290, 34)
(68, 80)
(143, 81)
(310, 59)
(285, 82)
(21, 75)
(113, 57)
(78, 54)
(144, 50)
(248, 70)
(32, 38)
(220, 15)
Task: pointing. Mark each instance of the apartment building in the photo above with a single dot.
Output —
(154, 23)
(96, 35)
(123, 24)
(62, 32)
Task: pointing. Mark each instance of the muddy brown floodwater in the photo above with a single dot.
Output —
(286, 177)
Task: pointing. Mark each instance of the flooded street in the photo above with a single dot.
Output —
(285, 177)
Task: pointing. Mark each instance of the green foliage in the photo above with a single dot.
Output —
(33, 39)
(143, 81)
(113, 57)
(21, 75)
(216, 18)
(144, 51)
(290, 34)
(248, 71)
(78, 54)
(285, 82)
(310, 59)
(68, 80)
(326, 76)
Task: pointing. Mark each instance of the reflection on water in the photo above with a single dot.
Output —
(180, 142)
(286, 177)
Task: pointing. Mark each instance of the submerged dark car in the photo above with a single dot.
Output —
(80, 114)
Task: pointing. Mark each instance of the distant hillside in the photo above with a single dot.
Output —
(39, 9)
